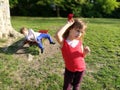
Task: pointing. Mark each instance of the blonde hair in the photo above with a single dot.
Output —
(78, 24)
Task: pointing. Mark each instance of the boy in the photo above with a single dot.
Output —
(33, 36)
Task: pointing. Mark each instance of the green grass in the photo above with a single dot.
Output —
(103, 63)
(51, 24)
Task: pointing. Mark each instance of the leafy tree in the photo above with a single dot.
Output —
(66, 6)
(24, 7)
(74, 6)
(99, 8)
(54, 4)
(84, 8)
(107, 5)
(13, 3)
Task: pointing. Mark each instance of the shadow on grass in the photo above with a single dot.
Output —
(19, 47)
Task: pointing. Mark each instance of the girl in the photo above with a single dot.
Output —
(70, 39)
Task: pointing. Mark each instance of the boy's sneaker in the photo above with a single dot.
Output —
(52, 43)
(42, 50)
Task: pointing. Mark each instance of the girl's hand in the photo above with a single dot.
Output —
(70, 17)
(70, 22)
(86, 50)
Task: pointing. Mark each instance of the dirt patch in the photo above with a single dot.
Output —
(15, 47)
(49, 51)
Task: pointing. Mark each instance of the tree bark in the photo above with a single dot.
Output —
(58, 11)
(6, 29)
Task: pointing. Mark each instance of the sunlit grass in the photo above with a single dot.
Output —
(103, 63)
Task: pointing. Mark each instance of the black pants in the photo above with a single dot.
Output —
(72, 80)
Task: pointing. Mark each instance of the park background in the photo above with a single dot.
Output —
(61, 8)
(26, 69)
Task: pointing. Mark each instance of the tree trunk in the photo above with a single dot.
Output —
(58, 11)
(6, 29)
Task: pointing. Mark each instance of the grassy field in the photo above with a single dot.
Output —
(103, 63)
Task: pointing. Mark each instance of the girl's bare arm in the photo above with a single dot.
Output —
(60, 32)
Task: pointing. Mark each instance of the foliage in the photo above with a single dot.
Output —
(52, 8)
(54, 4)
(74, 6)
(99, 8)
(13, 3)
(107, 6)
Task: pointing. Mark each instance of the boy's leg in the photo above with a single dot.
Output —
(41, 47)
(40, 44)
(44, 35)
(77, 80)
(68, 77)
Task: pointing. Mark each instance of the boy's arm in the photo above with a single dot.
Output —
(60, 32)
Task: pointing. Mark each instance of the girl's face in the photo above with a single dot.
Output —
(75, 33)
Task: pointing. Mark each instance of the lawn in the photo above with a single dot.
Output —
(103, 63)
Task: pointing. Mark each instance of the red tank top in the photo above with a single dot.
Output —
(73, 57)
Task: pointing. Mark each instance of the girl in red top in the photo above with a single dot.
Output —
(70, 39)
